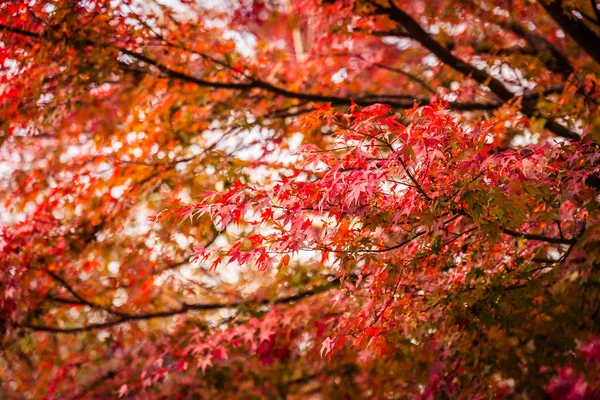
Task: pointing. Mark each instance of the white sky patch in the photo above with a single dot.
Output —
(182, 240)
(120, 297)
(245, 42)
(501, 11)
(137, 152)
(117, 191)
(451, 97)
(186, 271)
(433, 29)
(400, 43)
(229, 273)
(526, 139)
(430, 60)
(140, 223)
(113, 267)
(513, 79)
(340, 76)
(295, 142)
(11, 67)
(454, 29)
(49, 8)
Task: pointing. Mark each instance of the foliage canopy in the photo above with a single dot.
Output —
(299, 199)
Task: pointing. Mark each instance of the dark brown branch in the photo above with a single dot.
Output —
(528, 236)
(541, 238)
(64, 284)
(397, 101)
(589, 18)
(556, 63)
(80, 298)
(19, 31)
(127, 318)
(481, 76)
(576, 29)
(395, 247)
(443, 53)
(62, 300)
(410, 76)
(596, 10)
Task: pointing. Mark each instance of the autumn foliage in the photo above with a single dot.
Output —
(299, 199)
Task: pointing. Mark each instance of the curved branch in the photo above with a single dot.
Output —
(577, 30)
(541, 238)
(596, 10)
(127, 318)
(397, 101)
(496, 86)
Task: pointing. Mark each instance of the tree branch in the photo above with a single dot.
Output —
(396, 101)
(556, 63)
(126, 318)
(541, 238)
(577, 30)
(496, 86)
(595, 10)
(19, 31)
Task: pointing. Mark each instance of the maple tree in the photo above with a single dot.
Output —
(299, 199)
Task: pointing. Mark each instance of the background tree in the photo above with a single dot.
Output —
(271, 199)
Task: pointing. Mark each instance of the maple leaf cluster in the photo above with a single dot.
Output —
(299, 199)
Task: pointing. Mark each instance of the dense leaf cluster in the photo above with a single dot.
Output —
(299, 199)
